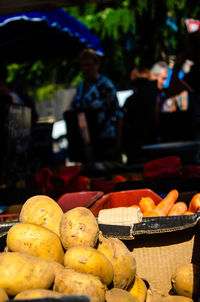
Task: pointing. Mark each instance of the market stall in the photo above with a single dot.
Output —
(144, 257)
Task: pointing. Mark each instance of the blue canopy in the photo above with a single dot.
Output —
(44, 34)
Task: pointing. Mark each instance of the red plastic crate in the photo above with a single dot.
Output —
(85, 199)
(123, 199)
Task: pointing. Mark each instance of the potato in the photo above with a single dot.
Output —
(20, 272)
(138, 289)
(89, 261)
(42, 210)
(78, 227)
(56, 267)
(119, 295)
(186, 281)
(176, 299)
(70, 282)
(123, 261)
(35, 240)
(3, 295)
(37, 294)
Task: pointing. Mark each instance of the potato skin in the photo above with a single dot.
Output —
(78, 227)
(123, 261)
(35, 240)
(89, 261)
(138, 289)
(37, 294)
(42, 210)
(186, 281)
(119, 295)
(175, 299)
(56, 266)
(70, 282)
(20, 272)
(3, 295)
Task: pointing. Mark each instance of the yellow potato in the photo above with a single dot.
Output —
(37, 294)
(175, 299)
(70, 282)
(42, 210)
(138, 289)
(3, 295)
(89, 261)
(35, 240)
(78, 227)
(123, 261)
(119, 295)
(20, 272)
(56, 267)
(186, 281)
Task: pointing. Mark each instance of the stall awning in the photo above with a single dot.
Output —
(16, 6)
(43, 35)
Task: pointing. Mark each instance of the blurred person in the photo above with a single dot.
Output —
(139, 73)
(178, 102)
(96, 98)
(190, 50)
(19, 92)
(158, 75)
(15, 132)
(139, 122)
(15, 92)
(158, 72)
(5, 100)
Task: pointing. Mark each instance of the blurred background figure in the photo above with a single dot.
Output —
(178, 102)
(18, 91)
(159, 72)
(190, 50)
(98, 111)
(139, 73)
(15, 133)
(141, 110)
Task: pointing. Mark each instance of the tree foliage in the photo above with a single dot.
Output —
(132, 33)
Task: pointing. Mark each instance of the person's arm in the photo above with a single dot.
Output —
(176, 85)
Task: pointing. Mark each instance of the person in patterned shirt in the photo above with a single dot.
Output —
(96, 97)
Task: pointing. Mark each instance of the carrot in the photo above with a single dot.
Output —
(146, 204)
(194, 205)
(167, 203)
(152, 213)
(179, 208)
(189, 213)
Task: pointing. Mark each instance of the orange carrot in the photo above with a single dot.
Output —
(152, 213)
(167, 203)
(179, 208)
(146, 204)
(189, 213)
(194, 205)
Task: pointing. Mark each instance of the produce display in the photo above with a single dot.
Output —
(50, 253)
(169, 206)
(186, 281)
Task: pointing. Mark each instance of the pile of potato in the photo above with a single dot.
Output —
(53, 254)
